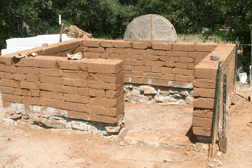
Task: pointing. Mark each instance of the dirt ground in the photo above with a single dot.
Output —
(154, 136)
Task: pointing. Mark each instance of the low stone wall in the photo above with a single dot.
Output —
(205, 85)
(86, 89)
(157, 94)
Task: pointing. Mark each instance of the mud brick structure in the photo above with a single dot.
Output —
(93, 87)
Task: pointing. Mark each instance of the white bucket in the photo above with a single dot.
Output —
(243, 77)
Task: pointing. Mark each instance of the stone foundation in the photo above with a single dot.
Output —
(157, 94)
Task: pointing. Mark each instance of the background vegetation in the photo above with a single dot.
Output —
(109, 18)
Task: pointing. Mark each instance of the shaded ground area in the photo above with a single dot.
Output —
(154, 136)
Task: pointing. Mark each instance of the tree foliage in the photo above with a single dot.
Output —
(109, 18)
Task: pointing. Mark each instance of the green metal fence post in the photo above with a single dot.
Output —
(216, 109)
(223, 145)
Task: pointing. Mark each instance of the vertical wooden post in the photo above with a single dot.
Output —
(223, 145)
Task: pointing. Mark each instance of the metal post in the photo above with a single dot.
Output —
(223, 145)
(251, 67)
(236, 56)
(216, 109)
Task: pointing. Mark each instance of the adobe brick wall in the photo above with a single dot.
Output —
(86, 89)
(204, 88)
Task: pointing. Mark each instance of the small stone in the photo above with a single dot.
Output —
(184, 93)
(148, 89)
(164, 92)
(44, 44)
(113, 130)
(9, 112)
(177, 96)
(189, 100)
(122, 143)
(18, 112)
(145, 99)
(104, 133)
(16, 116)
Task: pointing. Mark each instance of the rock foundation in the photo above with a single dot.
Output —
(156, 94)
(50, 121)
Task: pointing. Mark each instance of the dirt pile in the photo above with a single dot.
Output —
(74, 32)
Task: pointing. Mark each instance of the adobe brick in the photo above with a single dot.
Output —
(96, 92)
(155, 52)
(6, 59)
(106, 77)
(122, 44)
(202, 131)
(183, 46)
(164, 58)
(69, 64)
(27, 62)
(152, 75)
(202, 122)
(48, 79)
(105, 119)
(198, 54)
(127, 67)
(6, 104)
(151, 58)
(202, 92)
(32, 100)
(35, 93)
(120, 51)
(205, 46)
(92, 42)
(161, 46)
(92, 55)
(127, 79)
(180, 53)
(51, 72)
(141, 45)
(51, 49)
(10, 69)
(182, 84)
(169, 76)
(155, 63)
(4, 75)
(205, 73)
(103, 85)
(32, 78)
(185, 59)
(9, 83)
(76, 98)
(160, 82)
(75, 106)
(107, 43)
(7, 90)
(45, 62)
(105, 66)
(179, 71)
(142, 68)
(199, 84)
(114, 93)
(71, 89)
(96, 50)
(64, 53)
(11, 98)
(52, 95)
(71, 44)
(181, 65)
(106, 111)
(204, 103)
(75, 74)
(76, 115)
(137, 80)
(28, 70)
(59, 104)
(181, 78)
(163, 70)
(173, 59)
(203, 113)
(169, 64)
(74, 82)
(190, 65)
(29, 85)
(83, 91)
(137, 62)
(112, 55)
(37, 50)
(107, 102)
(21, 92)
(110, 50)
(139, 52)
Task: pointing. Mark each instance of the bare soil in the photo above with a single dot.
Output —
(154, 136)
